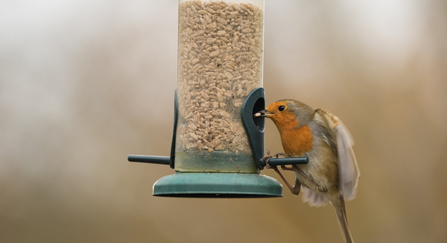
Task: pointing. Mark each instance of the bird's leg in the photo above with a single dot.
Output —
(296, 169)
(292, 168)
(285, 156)
(296, 188)
(292, 189)
(283, 166)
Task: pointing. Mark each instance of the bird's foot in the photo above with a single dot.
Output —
(266, 159)
(291, 168)
(282, 154)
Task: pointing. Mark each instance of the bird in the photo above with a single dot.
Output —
(332, 171)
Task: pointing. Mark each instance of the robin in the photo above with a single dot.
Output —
(332, 172)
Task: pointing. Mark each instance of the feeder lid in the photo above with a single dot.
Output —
(212, 185)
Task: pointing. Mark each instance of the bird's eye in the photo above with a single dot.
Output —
(281, 108)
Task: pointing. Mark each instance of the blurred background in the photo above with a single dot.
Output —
(85, 83)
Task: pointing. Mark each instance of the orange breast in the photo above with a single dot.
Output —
(297, 141)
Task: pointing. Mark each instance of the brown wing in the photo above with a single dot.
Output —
(348, 167)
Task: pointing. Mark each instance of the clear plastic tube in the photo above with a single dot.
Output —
(220, 61)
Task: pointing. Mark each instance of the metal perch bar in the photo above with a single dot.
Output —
(288, 161)
(165, 160)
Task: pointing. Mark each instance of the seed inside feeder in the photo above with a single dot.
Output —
(220, 63)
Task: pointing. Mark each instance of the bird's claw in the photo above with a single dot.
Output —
(285, 167)
(282, 154)
(291, 168)
(266, 159)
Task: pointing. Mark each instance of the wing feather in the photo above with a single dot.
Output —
(348, 167)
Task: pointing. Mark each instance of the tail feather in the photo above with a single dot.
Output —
(343, 220)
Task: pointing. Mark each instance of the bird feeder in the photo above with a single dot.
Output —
(217, 145)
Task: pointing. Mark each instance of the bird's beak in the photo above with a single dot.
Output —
(263, 113)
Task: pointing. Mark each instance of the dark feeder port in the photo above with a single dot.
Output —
(217, 144)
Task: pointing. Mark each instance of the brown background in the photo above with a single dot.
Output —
(85, 83)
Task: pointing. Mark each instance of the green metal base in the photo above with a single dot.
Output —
(212, 185)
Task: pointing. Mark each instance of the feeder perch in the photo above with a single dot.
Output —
(217, 145)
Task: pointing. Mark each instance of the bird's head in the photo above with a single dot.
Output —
(287, 113)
